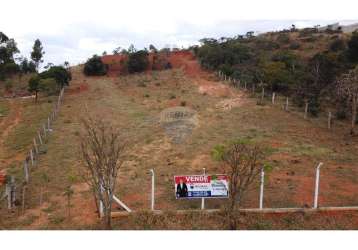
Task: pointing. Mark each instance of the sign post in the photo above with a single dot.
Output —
(201, 186)
(203, 199)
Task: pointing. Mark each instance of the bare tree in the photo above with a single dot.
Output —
(348, 87)
(102, 149)
(243, 162)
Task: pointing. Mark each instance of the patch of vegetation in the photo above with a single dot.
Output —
(95, 67)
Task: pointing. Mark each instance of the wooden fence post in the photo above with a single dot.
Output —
(32, 157)
(273, 98)
(253, 88)
(23, 198)
(26, 171)
(48, 124)
(35, 145)
(262, 94)
(286, 107)
(245, 85)
(40, 139)
(44, 129)
(306, 109)
(329, 119)
(8, 194)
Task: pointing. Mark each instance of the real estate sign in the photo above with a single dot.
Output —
(201, 186)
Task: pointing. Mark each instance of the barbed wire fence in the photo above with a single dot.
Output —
(17, 186)
(263, 95)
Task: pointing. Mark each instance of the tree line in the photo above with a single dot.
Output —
(277, 61)
(134, 61)
(49, 81)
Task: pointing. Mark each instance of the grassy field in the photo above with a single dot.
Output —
(134, 104)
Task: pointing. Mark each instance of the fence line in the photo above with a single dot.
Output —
(236, 83)
(32, 157)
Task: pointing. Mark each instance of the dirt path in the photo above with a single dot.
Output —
(206, 82)
(6, 126)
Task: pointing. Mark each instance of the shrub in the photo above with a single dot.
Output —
(283, 38)
(137, 61)
(218, 152)
(337, 45)
(295, 45)
(8, 85)
(59, 73)
(49, 85)
(95, 67)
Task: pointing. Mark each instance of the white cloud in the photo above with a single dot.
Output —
(74, 30)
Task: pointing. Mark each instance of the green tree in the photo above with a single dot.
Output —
(34, 85)
(348, 88)
(95, 67)
(37, 53)
(137, 61)
(353, 47)
(59, 73)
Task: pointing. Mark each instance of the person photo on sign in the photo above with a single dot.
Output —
(182, 189)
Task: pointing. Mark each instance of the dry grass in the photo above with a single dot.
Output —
(134, 103)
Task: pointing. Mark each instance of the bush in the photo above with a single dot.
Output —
(49, 85)
(283, 38)
(95, 67)
(8, 85)
(295, 45)
(59, 73)
(337, 45)
(137, 61)
(353, 47)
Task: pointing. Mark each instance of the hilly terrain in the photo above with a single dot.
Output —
(220, 114)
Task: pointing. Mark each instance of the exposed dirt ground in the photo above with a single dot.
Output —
(134, 104)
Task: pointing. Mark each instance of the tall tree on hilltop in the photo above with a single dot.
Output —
(37, 53)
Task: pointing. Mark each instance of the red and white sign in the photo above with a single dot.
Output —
(201, 186)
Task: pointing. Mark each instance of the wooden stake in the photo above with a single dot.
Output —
(23, 198)
(262, 94)
(306, 110)
(286, 107)
(44, 129)
(329, 119)
(32, 157)
(26, 171)
(48, 124)
(35, 145)
(273, 98)
(39, 134)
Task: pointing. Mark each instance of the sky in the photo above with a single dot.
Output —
(75, 30)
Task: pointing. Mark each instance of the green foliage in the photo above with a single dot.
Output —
(49, 86)
(218, 152)
(337, 45)
(34, 85)
(295, 45)
(353, 48)
(59, 73)
(8, 85)
(137, 61)
(283, 38)
(229, 53)
(95, 67)
(37, 53)
(27, 66)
